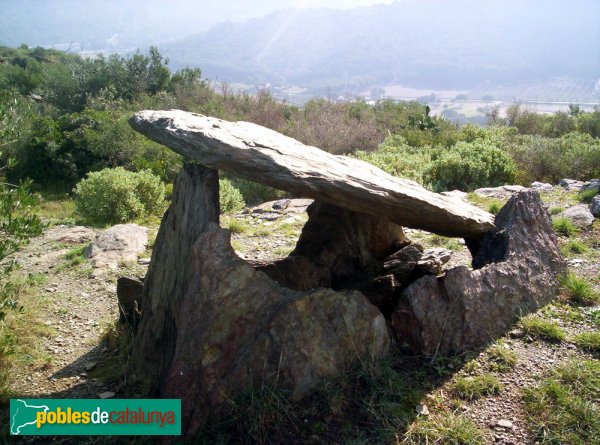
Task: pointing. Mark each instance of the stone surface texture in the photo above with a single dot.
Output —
(265, 156)
(516, 271)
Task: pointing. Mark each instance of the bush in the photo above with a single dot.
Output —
(470, 165)
(117, 195)
(396, 157)
(230, 198)
(254, 193)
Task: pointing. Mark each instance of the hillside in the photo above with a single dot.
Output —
(457, 45)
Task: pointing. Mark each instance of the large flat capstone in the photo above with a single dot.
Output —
(265, 156)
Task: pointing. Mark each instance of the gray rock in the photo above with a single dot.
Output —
(118, 245)
(73, 235)
(433, 260)
(516, 271)
(402, 263)
(595, 206)
(502, 192)
(541, 186)
(212, 326)
(265, 156)
(456, 194)
(580, 215)
(592, 184)
(571, 184)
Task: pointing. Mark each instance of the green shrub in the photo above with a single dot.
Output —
(579, 291)
(117, 195)
(397, 158)
(230, 198)
(470, 165)
(254, 193)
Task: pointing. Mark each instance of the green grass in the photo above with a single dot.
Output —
(564, 408)
(262, 231)
(444, 429)
(236, 226)
(589, 341)
(595, 316)
(442, 241)
(494, 207)
(556, 210)
(574, 246)
(537, 328)
(564, 311)
(20, 333)
(501, 359)
(76, 255)
(475, 387)
(579, 291)
(587, 195)
(564, 226)
(57, 209)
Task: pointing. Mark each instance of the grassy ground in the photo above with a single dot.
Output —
(537, 384)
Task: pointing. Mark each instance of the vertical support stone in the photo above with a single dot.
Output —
(195, 203)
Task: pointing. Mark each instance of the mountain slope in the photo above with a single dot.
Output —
(453, 44)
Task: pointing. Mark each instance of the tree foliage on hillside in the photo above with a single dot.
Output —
(63, 116)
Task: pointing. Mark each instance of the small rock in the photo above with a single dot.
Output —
(541, 186)
(504, 191)
(89, 366)
(144, 261)
(106, 395)
(571, 184)
(422, 410)
(504, 423)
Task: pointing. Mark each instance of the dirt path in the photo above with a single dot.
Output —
(75, 308)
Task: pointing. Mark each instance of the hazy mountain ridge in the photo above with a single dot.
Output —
(405, 42)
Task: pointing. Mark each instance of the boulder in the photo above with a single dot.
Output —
(580, 215)
(402, 263)
(291, 206)
(265, 156)
(595, 206)
(213, 326)
(541, 186)
(456, 194)
(570, 184)
(73, 235)
(433, 260)
(118, 245)
(516, 271)
(502, 192)
(592, 184)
